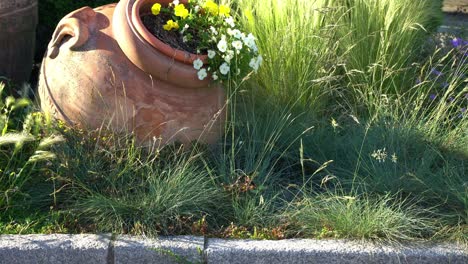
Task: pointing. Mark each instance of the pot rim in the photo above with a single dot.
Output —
(179, 55)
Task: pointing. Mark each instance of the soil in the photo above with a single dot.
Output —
(173, 38)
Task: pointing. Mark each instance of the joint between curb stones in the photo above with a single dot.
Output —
(110, 250)
(204, 254)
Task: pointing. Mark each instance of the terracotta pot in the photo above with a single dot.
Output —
(18, 21)
(143, 7)
(100, 72)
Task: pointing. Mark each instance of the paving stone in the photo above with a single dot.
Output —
(180, 249)
(328, 251)
(52, 249)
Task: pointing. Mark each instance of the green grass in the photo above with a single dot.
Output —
(360, 217)
(347, 131)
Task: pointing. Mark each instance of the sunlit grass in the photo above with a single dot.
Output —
(349, 130)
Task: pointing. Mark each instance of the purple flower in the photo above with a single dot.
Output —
(456, 42)
(463, 112)
(418, 81)
(436, 72)
(432, 97)
(450, 99)
(445, 85)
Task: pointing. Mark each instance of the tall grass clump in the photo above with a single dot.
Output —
(310, 45)
(256, 160)
(414, 145)
(336, 215)
(117, 186)
(380, 40)
(297, 46)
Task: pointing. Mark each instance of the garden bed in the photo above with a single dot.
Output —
(339, 135)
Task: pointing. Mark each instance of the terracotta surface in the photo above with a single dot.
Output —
(86, 79)
(18, 20)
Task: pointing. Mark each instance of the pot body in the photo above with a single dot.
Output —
(18, 21)
(87, 79)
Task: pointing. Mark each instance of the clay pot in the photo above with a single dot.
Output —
(18, 21)
(100, 72)
(143, 7)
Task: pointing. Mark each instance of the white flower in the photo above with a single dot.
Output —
(202, 74)
(259, 60)
(230, 21)
(222, 45)
(211, 54)
(253, 47)
(213, 30)
(237, 34)
(184, 29)
(215, 76)
(230, 32)
(380, 155)
(256, 62)
(185, 39)
(175, 2)
(229, 56)
(197, 8)
(253, 63)
(249, 41)
(197, 64)
(237, 44)
(224, 69)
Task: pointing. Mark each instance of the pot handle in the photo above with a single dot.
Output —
(75, 25)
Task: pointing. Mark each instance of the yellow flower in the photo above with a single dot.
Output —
(224, 11)
(211, 7)
(181, 11)
(171, 25)
(155, 9)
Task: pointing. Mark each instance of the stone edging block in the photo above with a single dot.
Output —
(54, 249)
(328, 251)
(105, 249)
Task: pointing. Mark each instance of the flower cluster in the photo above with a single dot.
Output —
(448, 85)
(211, 28)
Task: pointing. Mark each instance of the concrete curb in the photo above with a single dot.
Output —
(105, 249)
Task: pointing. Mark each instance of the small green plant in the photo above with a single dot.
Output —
(24, 148)
(178, 258)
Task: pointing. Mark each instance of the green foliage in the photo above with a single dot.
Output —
(369, 45)
(361, 217)
(24, 150)
(51, 11)
(117, 186)
(337, 136)
(21, 221)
